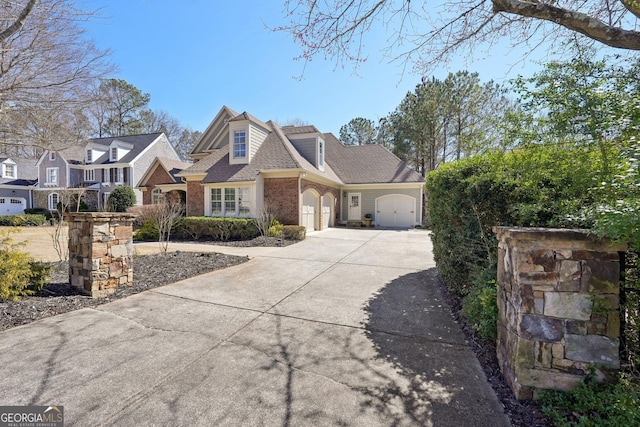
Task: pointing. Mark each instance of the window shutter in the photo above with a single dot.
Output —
(112, 173)
(125, 172)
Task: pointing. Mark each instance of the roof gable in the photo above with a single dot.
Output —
(211, 136)
(137, 143)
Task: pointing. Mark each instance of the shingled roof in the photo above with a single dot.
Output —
(139, 142)
(368, 164)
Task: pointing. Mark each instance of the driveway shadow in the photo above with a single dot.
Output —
(412, 328)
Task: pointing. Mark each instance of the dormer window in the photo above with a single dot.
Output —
(114, 153)
(89, 156)
(239, 144)
(9, 171)
(320, 154)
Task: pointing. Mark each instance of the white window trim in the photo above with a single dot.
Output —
(156, 196)
(5, 173)
(53, 206)
(119, 176)
(57, 176)
(321, 153)
(246, 147)
(238, 201)
(111, 156)
(52, 156)
(89, 156)
(90, 175)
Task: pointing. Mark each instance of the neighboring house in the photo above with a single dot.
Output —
(99, 167)
(161, 180)
(17, 182)
(304, 176)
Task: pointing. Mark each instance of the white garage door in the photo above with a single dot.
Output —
(309, 203)
(12, 205)
(327, 211)
(396, 210)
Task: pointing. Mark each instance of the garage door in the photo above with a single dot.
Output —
(396, 210)
(327, 211)
(12, 205)
(309, 203)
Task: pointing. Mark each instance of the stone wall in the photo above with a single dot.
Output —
(558, 307)
(100, 251)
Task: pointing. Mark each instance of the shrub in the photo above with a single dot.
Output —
(215, 228)
(22, 220)
(276, 229)
(39, 211)
(294, 232)
(532, 186)
(480, 308)
(20, 275)
(148, 232)
(594, 404)
(121, 198)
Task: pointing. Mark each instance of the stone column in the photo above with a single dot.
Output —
(100, 251)
(558, 307)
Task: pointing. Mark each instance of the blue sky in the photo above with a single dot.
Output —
(193, 56)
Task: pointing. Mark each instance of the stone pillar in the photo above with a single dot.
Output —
(558, 307)
(100, 251)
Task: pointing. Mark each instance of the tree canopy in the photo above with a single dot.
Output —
(428, 32)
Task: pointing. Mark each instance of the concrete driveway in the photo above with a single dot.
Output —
(347, 328)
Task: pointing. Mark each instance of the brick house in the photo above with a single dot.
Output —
(306, 177)
(98, 167)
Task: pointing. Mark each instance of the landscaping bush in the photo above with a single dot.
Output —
(20, 275)
(594, 404)
(534, 186)
(481, 310)
(276, 229)
(121, 198)
(148, 232)
(294, 232)
(22, 220)
(215, 228)
(39, 211)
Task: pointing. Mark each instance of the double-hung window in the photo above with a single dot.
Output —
(52, 176)
(239, 144)
(9, 171)
(119, 175)
(229, 201)
(114, 153)
(216, 201)
(156, 196)
(244, 201)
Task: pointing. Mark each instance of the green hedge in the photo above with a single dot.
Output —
(535, 186)
(22, 220)
(215, 228)
(39, 211)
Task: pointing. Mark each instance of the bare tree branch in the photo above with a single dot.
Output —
(575, 21)
(19, 22)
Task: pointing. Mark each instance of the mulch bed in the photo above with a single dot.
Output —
(521, 413)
